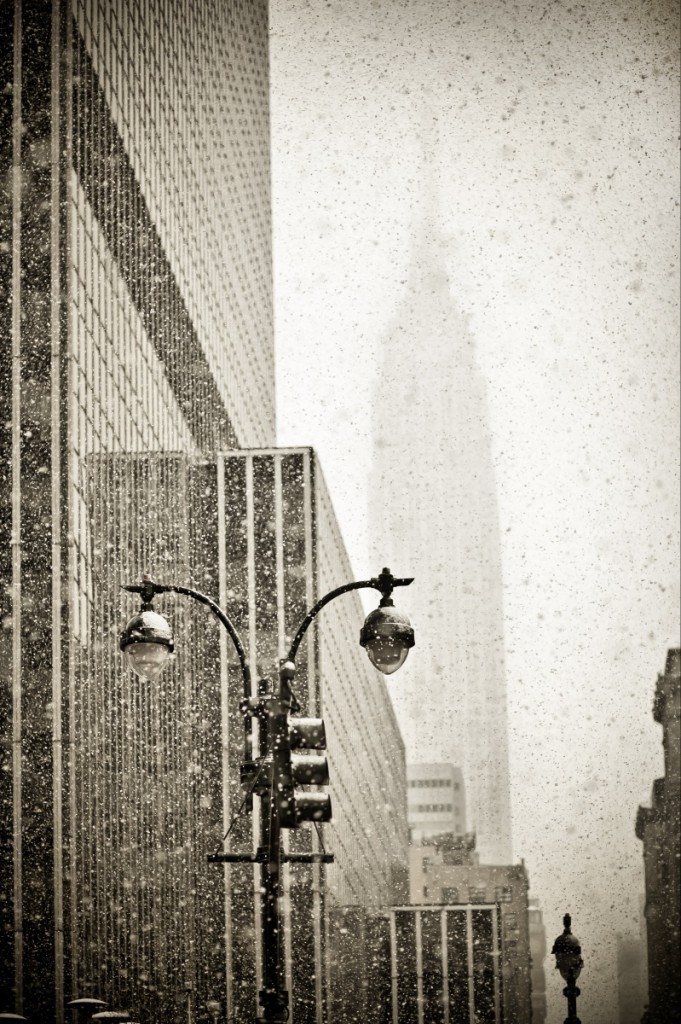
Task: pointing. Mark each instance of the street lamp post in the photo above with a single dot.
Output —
(568, 954)
(387, 636)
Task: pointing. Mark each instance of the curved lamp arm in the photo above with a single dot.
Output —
(384, 582)
(148, 589)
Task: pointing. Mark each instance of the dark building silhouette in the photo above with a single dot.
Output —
(659, 829)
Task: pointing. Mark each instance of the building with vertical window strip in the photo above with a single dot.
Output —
(438, 874)
(445, 966)
(135, 276)
(272, 548)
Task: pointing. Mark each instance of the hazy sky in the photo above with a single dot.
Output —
(552, 133)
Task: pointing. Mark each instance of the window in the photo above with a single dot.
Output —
(450, 894)
(432, 808)
(503, 894)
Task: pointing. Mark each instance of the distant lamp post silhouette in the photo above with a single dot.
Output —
(273, 771)
(568, 954)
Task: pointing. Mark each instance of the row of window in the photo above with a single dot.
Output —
(429, 808)
(433, 784)
(474, 894)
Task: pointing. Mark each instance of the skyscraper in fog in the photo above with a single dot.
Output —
(434, 499)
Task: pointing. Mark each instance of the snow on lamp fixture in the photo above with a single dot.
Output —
(147, 642)
(387, 635)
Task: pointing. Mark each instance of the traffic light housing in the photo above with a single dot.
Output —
(302, 769)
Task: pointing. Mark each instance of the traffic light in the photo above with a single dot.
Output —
(305, 769)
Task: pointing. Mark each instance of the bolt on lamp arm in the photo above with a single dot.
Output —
(385, 582)
(147, 589)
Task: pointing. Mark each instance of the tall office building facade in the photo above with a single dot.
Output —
(433, 493)
(256, 530)
(135, 272)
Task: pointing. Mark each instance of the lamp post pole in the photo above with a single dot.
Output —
(273, 996)
(387, 636)
(568, 954)
(571, 992)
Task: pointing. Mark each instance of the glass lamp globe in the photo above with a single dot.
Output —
(147, 660)
(386, 654)
(387, 636)
(147, 643)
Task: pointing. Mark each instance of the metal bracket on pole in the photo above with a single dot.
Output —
(235, 858)
(308, 858)
(261, 857)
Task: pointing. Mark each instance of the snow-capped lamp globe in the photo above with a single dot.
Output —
(147, 640)
(387, 635)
